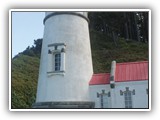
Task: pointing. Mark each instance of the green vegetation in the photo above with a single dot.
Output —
(25, 68)
(24, 81)
(104, 51)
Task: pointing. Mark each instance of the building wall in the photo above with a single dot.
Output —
(94, 89)
(139, 98)
(72, 84)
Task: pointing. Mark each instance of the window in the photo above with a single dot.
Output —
(56, 59)
(57, 62)
(104, 99)
(128, 99)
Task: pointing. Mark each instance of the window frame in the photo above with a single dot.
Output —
(56, 59)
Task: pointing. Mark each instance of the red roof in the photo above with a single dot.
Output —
(125, 72)
(131, 71)
(102, 78)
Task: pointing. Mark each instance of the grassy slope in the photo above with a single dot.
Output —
(24, 81)
(104, 51)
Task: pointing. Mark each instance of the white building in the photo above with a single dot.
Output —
(66, 78)
(66, 62)
(125, 87)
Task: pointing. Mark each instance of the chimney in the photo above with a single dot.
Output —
(112, 74)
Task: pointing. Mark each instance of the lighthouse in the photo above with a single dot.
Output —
(66, 62)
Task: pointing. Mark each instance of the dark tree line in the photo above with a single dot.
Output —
(34, 51)
(128, 25)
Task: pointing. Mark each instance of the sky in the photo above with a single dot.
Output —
(26, 27)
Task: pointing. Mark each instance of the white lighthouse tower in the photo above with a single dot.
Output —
(66, 62)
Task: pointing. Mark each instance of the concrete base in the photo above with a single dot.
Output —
(64, 105)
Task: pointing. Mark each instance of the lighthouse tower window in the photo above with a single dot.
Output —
(57, 62)
(56, 59)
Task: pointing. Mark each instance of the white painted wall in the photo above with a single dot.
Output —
(94, 89)
(73, 84)
(140, 99)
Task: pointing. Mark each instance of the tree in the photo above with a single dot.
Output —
(35, 50)
(128, 25)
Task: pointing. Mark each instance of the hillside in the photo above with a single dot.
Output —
(25, 66)
(24, 81)
(105, 50)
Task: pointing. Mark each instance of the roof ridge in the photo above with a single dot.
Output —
(100, 73)
(132, 62)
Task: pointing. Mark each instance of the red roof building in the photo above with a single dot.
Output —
(131, 71)
(124, 72)
(126, 86)
(98, 79)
